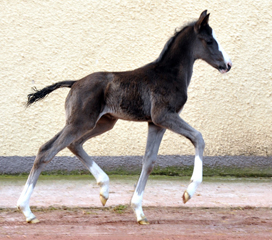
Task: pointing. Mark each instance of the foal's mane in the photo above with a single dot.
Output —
(171, 40)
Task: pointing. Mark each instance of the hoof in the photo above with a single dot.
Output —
(186, 197)
(34, 220)
(143, 222)
(103, 200)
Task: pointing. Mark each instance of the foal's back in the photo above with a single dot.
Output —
(129, 95)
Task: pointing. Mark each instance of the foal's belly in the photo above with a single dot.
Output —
(130, 111)
(130, 115)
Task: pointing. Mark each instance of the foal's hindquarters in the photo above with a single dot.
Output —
(83, 99)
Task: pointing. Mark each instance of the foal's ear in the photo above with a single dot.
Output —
(202, 21)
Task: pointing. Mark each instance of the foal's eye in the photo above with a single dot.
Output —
(210, 42)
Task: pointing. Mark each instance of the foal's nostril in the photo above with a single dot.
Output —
(222, 67)
(229, 66)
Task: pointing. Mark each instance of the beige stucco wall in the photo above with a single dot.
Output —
(42, 42)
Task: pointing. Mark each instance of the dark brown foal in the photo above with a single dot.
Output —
(155, 93)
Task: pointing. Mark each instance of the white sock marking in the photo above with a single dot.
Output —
(197, 173)
(102, 179)
(23, 202)
(136, 203)
(196, 177)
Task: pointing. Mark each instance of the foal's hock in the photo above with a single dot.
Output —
(154, 93)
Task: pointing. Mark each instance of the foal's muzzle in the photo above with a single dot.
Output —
(225, 68)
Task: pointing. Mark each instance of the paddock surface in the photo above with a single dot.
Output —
(68, 207)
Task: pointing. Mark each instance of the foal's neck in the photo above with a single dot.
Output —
(179, 58)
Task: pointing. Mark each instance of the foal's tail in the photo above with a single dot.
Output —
(40, 94)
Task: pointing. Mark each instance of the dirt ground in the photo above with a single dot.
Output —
(70, 209)
(165, 223)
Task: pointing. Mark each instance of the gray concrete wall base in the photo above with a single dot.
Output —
(17, 164)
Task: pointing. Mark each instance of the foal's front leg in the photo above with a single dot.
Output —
(173, 122)
(154, 138)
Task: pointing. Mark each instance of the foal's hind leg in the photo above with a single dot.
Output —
(104, 124)
(154, 138)
(44, 156)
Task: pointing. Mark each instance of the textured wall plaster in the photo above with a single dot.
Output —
(42, 42)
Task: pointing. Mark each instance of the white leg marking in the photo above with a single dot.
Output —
(136, 204)
(102, 180)
(23, 202)
(196, 177)
(225, 55)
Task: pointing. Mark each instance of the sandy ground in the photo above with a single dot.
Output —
(69, 207)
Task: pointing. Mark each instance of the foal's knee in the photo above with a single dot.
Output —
(149, 168)
(149, 162)
(199, 141)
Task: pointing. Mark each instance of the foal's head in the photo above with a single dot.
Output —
(207, 47)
